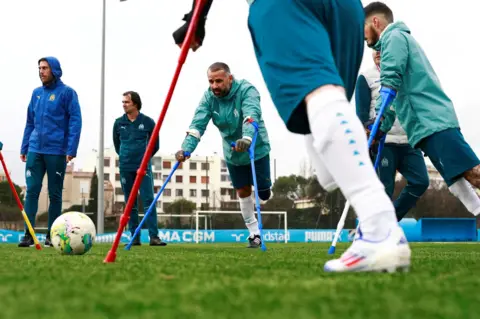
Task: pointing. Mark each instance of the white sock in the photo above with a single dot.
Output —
(323, 175)
(248, 213)
(340, 141)
(464, 191)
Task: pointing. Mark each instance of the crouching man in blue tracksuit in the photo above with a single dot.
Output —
(50, 141)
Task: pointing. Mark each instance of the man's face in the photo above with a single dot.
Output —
(220, 82)
(376, 57)
(372, 33)
(44, 72)
(128, 105)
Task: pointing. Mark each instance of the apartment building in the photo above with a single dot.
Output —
(203, 180)
(76, 191)
(3, 177)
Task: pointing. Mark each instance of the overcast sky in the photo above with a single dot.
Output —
(141, 56)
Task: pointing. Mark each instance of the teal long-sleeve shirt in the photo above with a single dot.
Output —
(131, 138)
(1, 146)
(363, 99)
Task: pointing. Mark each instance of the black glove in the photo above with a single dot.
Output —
(180, 33)
(242, 145)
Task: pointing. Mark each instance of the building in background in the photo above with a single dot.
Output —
(76, 191)
(203, 180)
(3, 177)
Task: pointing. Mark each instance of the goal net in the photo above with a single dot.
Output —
(275, 225)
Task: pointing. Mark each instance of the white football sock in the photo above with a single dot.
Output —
(339, 140)
(464, 191)
(324, 177)
(248, 213)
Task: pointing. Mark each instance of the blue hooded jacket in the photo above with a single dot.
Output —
(54, 119)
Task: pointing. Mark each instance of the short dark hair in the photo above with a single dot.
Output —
(378, 8)
(135, 98)
(217, 66)
(43, 60)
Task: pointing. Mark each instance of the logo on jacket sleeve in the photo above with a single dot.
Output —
(52, 97)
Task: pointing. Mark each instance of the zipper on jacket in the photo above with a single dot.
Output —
(42, 97)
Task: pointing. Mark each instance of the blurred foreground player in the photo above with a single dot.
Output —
(309, 53)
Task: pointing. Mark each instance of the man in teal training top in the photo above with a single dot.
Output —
(231, 104)
(397, 154)
(410, 85)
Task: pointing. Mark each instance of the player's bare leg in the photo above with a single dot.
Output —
(473, 176)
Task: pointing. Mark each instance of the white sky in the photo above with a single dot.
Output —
(141, 56)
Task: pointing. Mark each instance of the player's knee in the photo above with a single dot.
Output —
(33, 190)
(264, 194)
(328, 184)
(473, 176)
(245, 191)
(420, 187)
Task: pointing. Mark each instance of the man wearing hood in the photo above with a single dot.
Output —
(231, 104)
(423, 108)
(397, 154)
(50, 141)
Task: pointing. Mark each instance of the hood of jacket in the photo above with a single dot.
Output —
(55, 67)
(399, 25)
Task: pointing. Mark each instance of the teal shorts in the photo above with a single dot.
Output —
(450, 154)
(302, 45)
(242, 176)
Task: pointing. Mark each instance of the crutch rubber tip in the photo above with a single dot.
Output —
(38, 246)
(331, 251)
(110, 257)
(264, 248)
(127, 247)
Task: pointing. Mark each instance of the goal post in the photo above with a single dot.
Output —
(160, 215)
(204, 213)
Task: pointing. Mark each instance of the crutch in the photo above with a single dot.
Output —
(19, 203)
(152, 205)
(251, 154)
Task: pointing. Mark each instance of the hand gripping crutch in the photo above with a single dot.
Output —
(251, 154)
(376, 125)
(152, 205)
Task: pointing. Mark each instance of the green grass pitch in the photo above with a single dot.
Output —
(230, 281)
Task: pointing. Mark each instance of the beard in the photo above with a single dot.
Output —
(374, 39)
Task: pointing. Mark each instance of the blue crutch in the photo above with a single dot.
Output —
(251, 154)
(139, 227)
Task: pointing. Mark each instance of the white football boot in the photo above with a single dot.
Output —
(388, 255)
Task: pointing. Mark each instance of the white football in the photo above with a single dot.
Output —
(73, 233)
